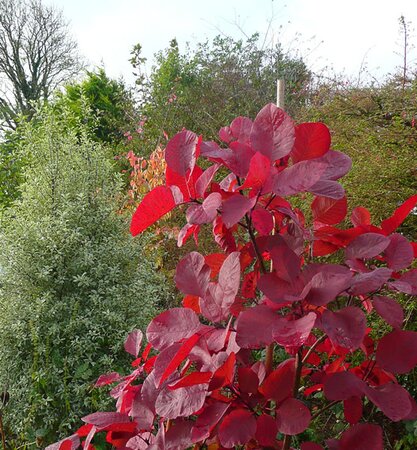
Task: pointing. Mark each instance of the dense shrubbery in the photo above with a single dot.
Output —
(72, 282)
(273, 288)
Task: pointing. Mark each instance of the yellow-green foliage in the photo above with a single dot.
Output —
(375, 127)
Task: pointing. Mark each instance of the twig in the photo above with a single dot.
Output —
(312, 348)
(325, 408)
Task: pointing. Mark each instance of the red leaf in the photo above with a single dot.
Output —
(153, 206)
(311, 141)
(241, 128)
(345, 327)
(249, 284)
(216, 304)
(192, 275)
(229, 277)
(400, 214)
(327, 284)
(186, 232)
(235, 207)
(259, 172)
(204, 180)
(192, 302)
(108, 378)
(142, 414)
(84, 430)
(224, 374)
(181, 152)
(215, 261)
(263, 221)
(179, 356)
(311, 446)
(293, 417)
(397, 351)
(255, 326)
(192, 379)
(322, 248)
(328, 188)
(298, 178)
(172, 326)
(225, 134)
(279, 384)
(162, 361)
(329, 211)
(206, 212)
(389, 310)
(237, 158)
(207, 420)
(286, 263)
(399, 253)
(278, 290)
(223, 236)
(294, 332)
(343, 385)
(366, 246)
(186, 184)
(237, 428)
(360, 216)
(70, 443)
(103, 420)
(266, 430)
(179, 435)
(337, 165)
(181, 402)
(362, 436)
(407, 283)
(133, 342)
(370, 281)
(352, 408)
(146, 352)
(273, 132)
(392, 399)
(248, 380)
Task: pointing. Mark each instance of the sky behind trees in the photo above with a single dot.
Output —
(347, 36)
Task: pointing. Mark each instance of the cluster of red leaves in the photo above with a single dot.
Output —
(145, 173)
(203, 387)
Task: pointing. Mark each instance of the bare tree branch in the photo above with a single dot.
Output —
(37, 54)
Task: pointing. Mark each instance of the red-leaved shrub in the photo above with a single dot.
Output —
(269, 288)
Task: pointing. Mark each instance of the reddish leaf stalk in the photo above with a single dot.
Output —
(313, 347)
(269, 358)
(255, 246)
(298, 369)
(269, 350)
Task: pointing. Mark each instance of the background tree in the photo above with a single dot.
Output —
(206, 87)
(37, 54)
(72, 281)
(109, 101)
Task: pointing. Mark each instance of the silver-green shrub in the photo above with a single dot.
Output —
(72, 281)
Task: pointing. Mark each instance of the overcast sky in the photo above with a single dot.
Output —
(343, 34)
